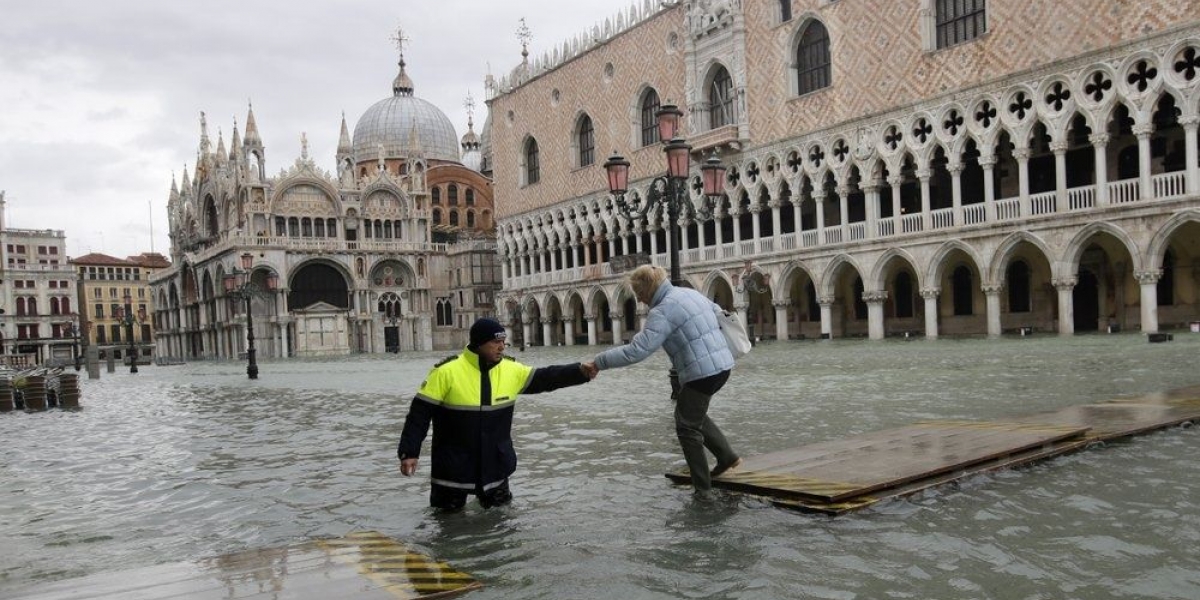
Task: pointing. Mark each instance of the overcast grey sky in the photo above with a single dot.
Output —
(100, 101)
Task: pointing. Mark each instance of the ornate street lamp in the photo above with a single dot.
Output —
(668, 190)
(240, 284)
(126, 317)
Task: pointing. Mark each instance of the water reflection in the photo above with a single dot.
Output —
(180, 463)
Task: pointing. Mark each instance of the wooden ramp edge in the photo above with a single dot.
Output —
(362, 565)
(843, 476)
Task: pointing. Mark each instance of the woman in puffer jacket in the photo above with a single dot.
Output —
(684, 323)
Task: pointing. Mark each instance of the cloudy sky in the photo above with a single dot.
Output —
(100, 101)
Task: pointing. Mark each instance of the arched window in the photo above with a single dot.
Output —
(471, 219)
(470, 197)
(812, 59)
(585, 138)
(435, 196)
(720, 99)
(785, 11)
(454, 218)
(532, 172)
(437, 216)
(452, 195)
(959, 21)
(650, 106)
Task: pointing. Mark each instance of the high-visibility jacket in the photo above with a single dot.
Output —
(471, 407)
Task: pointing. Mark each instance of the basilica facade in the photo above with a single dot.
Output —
(924, 167)
(394, 252)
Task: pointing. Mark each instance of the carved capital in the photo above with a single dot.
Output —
(875, 297)
(1148, 277)
(931, 293)
(1021, 154)
(1065, 284)
(992, 289)
(895, 180)
(1099, 139)
(1059, 147)
(778, 304)
(1143, 130)
(826, 300)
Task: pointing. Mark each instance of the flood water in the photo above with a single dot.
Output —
(186, 462)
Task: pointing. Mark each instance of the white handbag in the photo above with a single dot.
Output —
(735, 333)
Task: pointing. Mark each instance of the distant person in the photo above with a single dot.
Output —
(470, 399)
(684, 323)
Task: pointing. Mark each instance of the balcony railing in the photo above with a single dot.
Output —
(1081, 199)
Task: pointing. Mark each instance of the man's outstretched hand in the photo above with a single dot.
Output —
(590, 370)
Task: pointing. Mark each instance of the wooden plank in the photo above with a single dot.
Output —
(365, 565)
(836, 471)
(1124, 418)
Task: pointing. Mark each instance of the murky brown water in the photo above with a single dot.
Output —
(185, 462)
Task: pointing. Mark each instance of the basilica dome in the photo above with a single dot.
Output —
(392, 121)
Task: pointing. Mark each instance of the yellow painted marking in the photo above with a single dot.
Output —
(400, 571)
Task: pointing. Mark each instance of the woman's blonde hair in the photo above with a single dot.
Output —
(645, 280)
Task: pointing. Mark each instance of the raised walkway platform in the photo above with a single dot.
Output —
(851, 474)
(364, 566)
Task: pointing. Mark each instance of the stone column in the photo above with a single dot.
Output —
(991, 293)
(1148, 281)
(1145, 184)
(720, 241)
(653, 241)
(844, 215)
(797, 219)
(683, 239)
(781, 320)
(988, 163)
(617, 323)
(1022, 156)
(547, 330)
(894, 183)
(1100, 150)
(923, 176)
(735, 216)
(875, 302)
(1066, 305)
(931, 312)
(871, 193)
(1193, 170)
(819, 198)
(1060, 176)
(826, 303)
(956, 170)
(755, 225)
(776, 225)
(591, 328)
(569, 331)
(526, 332)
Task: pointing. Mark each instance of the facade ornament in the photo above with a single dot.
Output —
(877, 297)
(1151, 276)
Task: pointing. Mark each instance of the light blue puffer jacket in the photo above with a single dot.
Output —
(684, 323)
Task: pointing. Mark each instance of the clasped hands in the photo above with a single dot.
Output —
(590, 370)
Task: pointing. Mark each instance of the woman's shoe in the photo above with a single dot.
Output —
(729, 468)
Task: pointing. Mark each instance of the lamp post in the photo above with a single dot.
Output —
(240, 284)
(127, 318)
(668, 190)
(72, 327)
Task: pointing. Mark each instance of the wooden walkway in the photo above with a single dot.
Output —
(366, 566)
(851, 474)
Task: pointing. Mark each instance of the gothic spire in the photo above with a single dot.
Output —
(344, 138)
(252, 137)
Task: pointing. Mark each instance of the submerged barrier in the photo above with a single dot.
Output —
(38, 389)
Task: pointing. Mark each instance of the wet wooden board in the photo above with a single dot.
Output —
(366, 566)
(836, 471)
(777, 477)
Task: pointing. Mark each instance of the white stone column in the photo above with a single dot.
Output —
(717, 233)
(1060, 176)
(755, 225)
(1066, 305)
(547, 330)
(871, 192)
(653, 242)
(569, 331)
(894, 183)
(956, 170)
(991, 292)
(1148, 281)
(526, 333)
(776, 221)
(923, 176)
(819, 199)
(1100, 150)
(781, 320)
(931, 312)
(826, 303)
(988, 163)
(1145, 184)
(875, 302)
(797, 218)
(843, 192)
(735, 216)
(617, 327)
(591, 329)
(1190, 140)
(1022, 156)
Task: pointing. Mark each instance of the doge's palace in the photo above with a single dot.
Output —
(924, 167)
